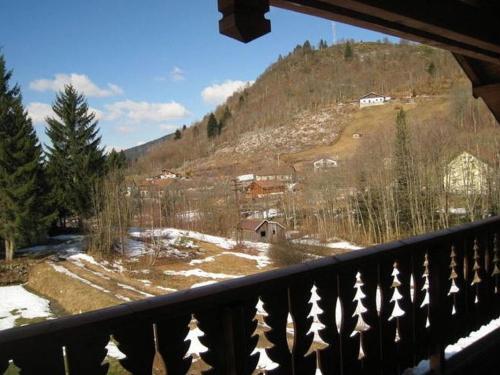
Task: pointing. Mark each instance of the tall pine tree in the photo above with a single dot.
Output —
(75, 158)
(212, 126)
(22, 214)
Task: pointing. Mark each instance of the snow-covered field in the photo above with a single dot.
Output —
(343, 245)
(16, 302)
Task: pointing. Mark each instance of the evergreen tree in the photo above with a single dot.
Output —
(177, 134)
(431, 69)
(348, 52)
(402, 170)
(75, 159)
(22, 214)
(223, 121)
(115, 160)
(212, 126)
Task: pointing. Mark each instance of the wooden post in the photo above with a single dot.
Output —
(244, 20)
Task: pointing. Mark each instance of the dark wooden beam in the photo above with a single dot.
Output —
(450, 24)
(485, 79)
(244, 20)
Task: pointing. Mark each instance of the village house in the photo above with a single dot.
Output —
(262, 230)
(258, 189)
(372, 98)
(284, 174)
(357, 135)
(466, 174)
(325, 163)
(166, 174)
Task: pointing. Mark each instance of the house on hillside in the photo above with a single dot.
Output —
(166, 174)
(357, 135)
(284, 174)
(259, 189)
(262, 230)
(325, 163)
(466, 174)
(373, 99)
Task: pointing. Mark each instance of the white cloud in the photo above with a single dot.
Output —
(177, 74)
(218, 93)
(40, 111)
(125, 129)
(80, 81)
(137, 112)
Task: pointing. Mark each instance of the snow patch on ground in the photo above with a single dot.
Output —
(344, 245)
(200, 273)
(262, 260)
(175, 234)
(16, 302)
(128, 287)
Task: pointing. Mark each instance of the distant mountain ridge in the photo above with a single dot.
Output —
(136, 152)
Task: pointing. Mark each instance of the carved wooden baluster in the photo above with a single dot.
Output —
(361, 325)
(329, 357)
(263, 344)
(420, 315)
(317, 327)
(453, 277)
(496, 262)
(438, 262)
(387, 327)
(173, 345)
(41, 357)
(196, 349)
(349, 347)
(228, 335)
(276, 304)
(397, 311)
(86, 355)
(476, 269)
(299, 295)
(425, 288)
(369, 277)
(405, 344)
(136, 341)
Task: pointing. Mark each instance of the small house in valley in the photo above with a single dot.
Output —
(325, 163)
(262, 230)
(258, 189)
(372, 98)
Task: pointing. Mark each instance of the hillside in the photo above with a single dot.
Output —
(303, 101)
(136, 152)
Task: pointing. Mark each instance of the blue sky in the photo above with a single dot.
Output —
(147, 67)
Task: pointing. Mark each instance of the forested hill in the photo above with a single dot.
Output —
(311, 86)
(136, 152)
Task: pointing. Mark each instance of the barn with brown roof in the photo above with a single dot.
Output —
(262, 230)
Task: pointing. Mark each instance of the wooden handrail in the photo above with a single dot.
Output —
(227, 313)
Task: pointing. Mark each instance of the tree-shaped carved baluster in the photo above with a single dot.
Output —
(425, 289)
(265, 363)
(453, 277)
(476, 268)
(361, 326)
(318, 343)
(196, 348)
(397, 311)
(290, 322)
(496, 262)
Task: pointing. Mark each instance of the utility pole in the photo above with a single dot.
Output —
(239, 229)
(334, 32)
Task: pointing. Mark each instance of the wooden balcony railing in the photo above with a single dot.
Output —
(399, 303)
